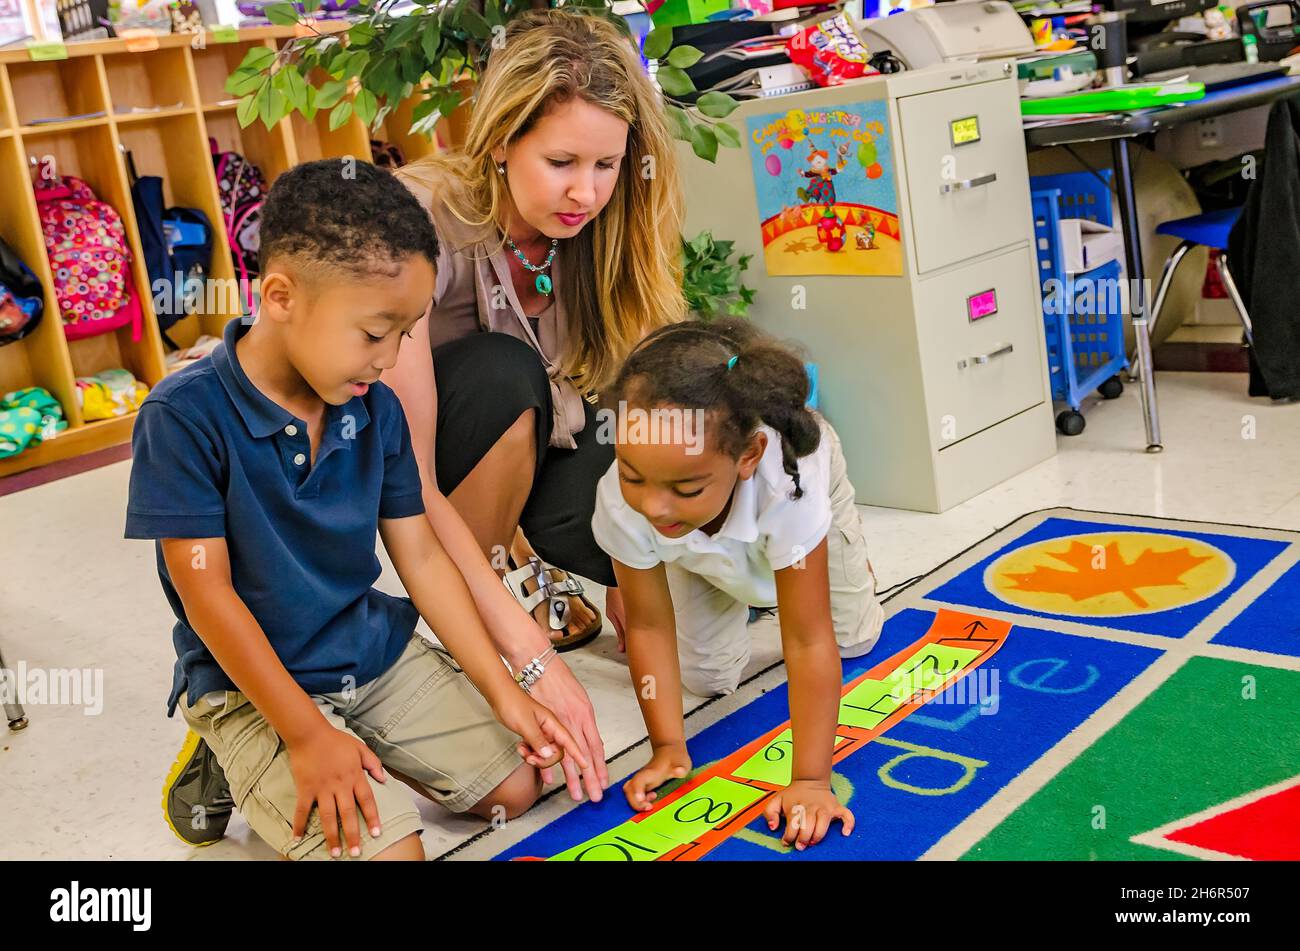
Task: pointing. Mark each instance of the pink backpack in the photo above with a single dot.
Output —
(90, 258)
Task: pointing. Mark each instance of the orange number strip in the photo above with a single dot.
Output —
(950, 629)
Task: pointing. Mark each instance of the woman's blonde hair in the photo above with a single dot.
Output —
(623, 272)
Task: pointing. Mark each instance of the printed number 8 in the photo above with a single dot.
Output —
(707, 815)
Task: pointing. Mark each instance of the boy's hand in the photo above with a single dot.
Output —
(329, 769)
(667, 762)
(545, 740)
(809, 808)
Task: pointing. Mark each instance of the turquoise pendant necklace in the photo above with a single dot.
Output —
(543, 282)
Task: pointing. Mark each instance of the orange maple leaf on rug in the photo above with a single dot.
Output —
(1149, 570)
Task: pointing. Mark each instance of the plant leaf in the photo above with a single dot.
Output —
(242, 81)
(361, 34)
(246, 111)
(340, 114)
(679, 123)
(674, 81)
(404, 30)
(704, 142)
(716, 105)
(381, 76)
(657, 42)
(430, 41)
(330, 93)
(684, 57)
(281, 14)
(258, 58)
(357, 63)
(425, 116)
(474, 24)
(272, 107)
(366, 106)
(411, 64)
(294, 87)
(727, 134)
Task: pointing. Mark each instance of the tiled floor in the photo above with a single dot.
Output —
(74, 594)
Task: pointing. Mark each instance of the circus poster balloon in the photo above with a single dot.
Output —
(828, 203)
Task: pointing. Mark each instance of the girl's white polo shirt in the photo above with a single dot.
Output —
(765, 531)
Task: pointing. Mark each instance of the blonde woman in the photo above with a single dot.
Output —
(560, 227)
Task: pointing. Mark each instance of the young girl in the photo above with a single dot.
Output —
(734, 495)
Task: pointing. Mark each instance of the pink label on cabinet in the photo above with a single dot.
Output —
(982, 304)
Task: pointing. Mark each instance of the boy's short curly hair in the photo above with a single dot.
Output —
(344, 213)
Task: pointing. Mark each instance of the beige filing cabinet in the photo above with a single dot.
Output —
(936, 378)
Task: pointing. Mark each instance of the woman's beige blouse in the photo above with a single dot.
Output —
(475, 293)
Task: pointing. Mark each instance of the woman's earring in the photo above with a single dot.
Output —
(501, 168)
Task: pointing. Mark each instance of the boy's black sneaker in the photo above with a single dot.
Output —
(196, 797)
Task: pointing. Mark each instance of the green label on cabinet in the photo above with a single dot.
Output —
(50, 49)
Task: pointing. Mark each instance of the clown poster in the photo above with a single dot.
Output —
(824, 179)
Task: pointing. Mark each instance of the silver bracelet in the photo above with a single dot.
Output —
(532, 671)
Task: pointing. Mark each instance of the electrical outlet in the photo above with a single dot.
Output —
(1209, 131)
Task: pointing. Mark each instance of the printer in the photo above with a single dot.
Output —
(948, 32)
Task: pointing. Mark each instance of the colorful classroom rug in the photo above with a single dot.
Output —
(1078, 685)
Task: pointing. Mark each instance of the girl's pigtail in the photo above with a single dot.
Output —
(769, 381)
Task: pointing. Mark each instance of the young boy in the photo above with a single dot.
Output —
(264, 473)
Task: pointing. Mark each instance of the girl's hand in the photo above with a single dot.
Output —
(667, 762)
(809, 808)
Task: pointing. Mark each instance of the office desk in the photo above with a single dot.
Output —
(1120, 129)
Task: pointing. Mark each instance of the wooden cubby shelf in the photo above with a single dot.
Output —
(80, 116)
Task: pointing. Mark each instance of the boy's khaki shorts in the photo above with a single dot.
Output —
(422, 717)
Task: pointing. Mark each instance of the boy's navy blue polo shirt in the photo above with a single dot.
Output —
(214, 457)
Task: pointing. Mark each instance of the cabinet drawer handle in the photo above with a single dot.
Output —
(965, 184)
(985, 357)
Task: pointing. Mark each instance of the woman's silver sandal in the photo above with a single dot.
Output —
(557, 593)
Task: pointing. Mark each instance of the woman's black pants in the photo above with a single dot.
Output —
(486, 381)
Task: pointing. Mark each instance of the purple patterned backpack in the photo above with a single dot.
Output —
(242, 189)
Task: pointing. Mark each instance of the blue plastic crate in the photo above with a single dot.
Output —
(1083, 313)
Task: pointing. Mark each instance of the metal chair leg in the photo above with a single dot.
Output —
(1226, 276)
(1166, 280)
(14, 712)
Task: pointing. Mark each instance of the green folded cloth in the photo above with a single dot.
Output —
(27, 417)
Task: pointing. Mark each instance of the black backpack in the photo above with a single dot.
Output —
(177, 246)
(22, 299)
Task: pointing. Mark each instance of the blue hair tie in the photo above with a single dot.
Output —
(732, 362)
